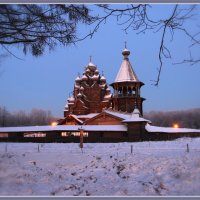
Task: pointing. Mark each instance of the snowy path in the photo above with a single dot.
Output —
(154, 168)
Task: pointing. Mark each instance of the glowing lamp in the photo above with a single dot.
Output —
(175, 126)
(54, 124)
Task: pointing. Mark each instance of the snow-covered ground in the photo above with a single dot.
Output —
(154, 168)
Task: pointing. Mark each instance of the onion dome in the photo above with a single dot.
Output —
(71, 99)
(90, 64)
(79, 95)
(84, 77)
(78, 79)
(77, 87)
(96, 72)
(87, 70)
(125, 52)
(95, 77)
(102, 86)
(103, 78)
(81, 88)
(108, 90)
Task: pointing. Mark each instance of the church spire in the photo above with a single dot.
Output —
(127, 87)
(126, 72)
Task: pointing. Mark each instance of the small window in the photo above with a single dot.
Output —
(38, 134)
(3, 135)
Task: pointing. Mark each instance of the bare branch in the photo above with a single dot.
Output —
(10, 52)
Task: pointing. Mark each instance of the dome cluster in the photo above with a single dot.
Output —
(90, 80)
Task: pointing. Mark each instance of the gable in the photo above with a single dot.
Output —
(104, 119)
(71, 120)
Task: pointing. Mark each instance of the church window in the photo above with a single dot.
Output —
(3, 135)
(39, 134)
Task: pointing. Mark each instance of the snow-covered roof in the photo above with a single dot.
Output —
(71, 103)
(64, 128)
(135, 117)
(121, 115)
(75, 117)
(107, 96)
(128, 117)
(158, 129)
(87, 116)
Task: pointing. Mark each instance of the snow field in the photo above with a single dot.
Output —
(153, 169)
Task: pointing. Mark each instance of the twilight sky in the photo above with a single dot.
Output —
(46, 82)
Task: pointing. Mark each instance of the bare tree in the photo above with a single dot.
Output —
(40, 117)
(3, 116)
(185, 118)
(21, 118)
(139, 19)
(35, 27)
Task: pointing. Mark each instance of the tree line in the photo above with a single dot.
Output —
(22, 118)
(184, 118)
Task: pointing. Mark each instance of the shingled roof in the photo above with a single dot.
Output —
(126, 72)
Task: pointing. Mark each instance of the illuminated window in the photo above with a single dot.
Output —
(76, 134)
(39, 134)
(3, 135)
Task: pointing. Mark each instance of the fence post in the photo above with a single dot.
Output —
(38, 148)
(131, 149)
(6, 148)
(81, 139)
(188, 148)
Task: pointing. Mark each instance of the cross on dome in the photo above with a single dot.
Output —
(125, 52)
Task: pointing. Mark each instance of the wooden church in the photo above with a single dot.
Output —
(92, 102)
(92, 95)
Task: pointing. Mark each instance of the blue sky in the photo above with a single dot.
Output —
(46, 82)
